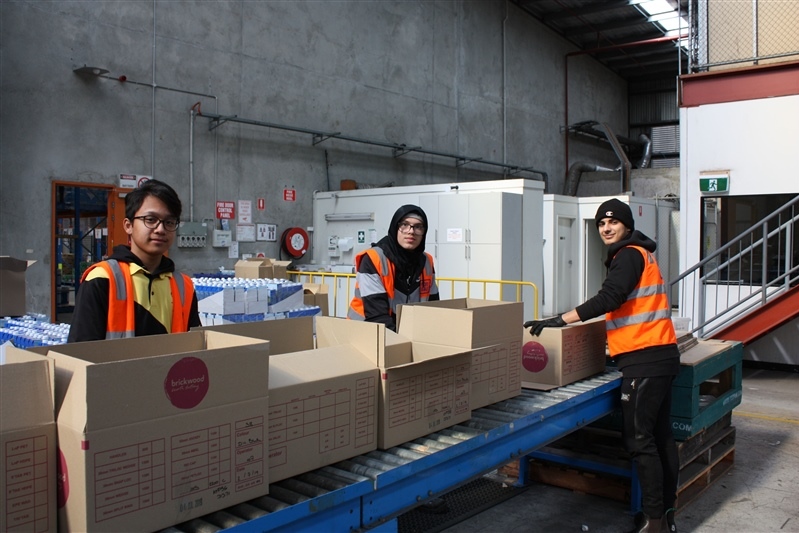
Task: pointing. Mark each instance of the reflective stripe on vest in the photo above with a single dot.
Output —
(121, 309)
(644, 319)
(383, 282)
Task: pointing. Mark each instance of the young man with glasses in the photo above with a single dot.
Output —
(136, 291)
(394, 271)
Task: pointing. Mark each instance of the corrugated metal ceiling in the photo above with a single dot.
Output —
(618, 33)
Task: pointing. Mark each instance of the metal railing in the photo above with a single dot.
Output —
(743, 275)
(486, 289)
(727, 34)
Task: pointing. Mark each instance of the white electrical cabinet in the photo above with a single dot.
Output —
(559, 292)
(477, 230)
(476, 236)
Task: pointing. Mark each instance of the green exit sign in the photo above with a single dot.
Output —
(714, 184)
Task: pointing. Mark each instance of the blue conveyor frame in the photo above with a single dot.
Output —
(495, 435)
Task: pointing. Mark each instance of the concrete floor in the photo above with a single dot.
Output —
(760, 493)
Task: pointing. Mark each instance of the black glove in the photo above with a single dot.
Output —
(537, 326)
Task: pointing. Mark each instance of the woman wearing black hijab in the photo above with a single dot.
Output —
(396, 270)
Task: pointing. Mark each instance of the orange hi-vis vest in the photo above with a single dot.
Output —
(121, 299)
(385, 283)
(644, 320)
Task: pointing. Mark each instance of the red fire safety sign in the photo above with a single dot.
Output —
(225, 209)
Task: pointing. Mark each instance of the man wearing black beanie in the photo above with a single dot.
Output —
(642, 341)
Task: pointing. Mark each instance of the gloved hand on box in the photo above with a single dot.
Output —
(537, 326)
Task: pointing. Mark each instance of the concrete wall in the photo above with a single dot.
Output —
(645, 183)
(476, 78)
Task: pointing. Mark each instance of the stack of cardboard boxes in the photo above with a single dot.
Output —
(155, 431)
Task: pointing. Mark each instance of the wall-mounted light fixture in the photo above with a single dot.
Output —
(339, 217)
(90, 71)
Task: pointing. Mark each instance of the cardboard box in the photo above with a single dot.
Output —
(317, 294)
(280, 269)
(322, 402)
(154, 431)
(560, 356)
(423, 387)
(254, 268)
(27, 442)
(262, 267)
(489, 328)
(323, 409)
(12, 286)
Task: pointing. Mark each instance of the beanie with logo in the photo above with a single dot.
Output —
(615, 208)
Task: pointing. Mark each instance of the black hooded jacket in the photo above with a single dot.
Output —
(625, 267)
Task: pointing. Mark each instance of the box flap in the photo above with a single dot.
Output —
(253, 262)
(315, 288)
(315, 365)
(424, 352)
(468, 323)
(285, 336)
(254, 268)
(26, 389)
(367, 337)
(118, 382)
(399, 351)
(13, 264)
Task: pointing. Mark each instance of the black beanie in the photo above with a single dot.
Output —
(615, 208)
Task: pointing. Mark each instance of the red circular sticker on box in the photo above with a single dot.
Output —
(534, 357)
(186, 383)
(62, 481)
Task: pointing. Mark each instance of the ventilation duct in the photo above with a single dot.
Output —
(576, 172)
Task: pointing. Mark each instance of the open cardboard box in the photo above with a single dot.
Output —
(261, 267)
(317, 294)
(423, 387)
(12, 286)
(154, 431)
(27, 442)
(560, 356)
(488, 328)
(322, 402)
(254, 268)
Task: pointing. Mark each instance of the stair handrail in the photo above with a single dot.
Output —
(695, 297)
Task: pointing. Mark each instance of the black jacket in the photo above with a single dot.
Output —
(625, 267)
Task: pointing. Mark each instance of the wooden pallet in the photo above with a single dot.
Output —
(593, 461)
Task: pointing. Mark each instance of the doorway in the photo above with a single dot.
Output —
(80, 238)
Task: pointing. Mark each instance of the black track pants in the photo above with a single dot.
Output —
(646, 415)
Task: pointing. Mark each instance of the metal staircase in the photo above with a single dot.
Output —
(747, 287)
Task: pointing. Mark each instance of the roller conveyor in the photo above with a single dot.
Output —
(369, 491)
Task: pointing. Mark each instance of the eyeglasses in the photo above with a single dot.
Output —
(417, 229)
(170, 224)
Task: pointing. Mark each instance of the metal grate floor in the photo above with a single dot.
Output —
(461, 503)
